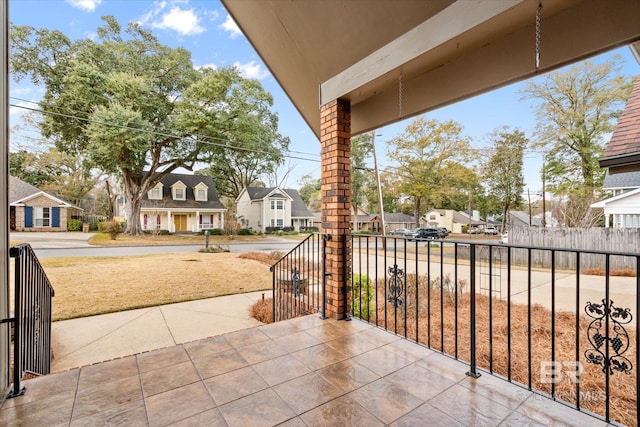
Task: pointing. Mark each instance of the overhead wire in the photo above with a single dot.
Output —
(205, 139)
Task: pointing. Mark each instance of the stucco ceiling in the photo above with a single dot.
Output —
(393, 59)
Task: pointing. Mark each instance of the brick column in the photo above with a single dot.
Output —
(335, 139)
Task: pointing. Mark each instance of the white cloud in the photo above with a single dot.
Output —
(88, 5)
(230, 26)
(184, 21)
(212, 66)
(251, 70)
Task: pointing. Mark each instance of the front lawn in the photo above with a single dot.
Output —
(96, 285)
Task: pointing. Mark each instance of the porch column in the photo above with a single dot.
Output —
(335, 141)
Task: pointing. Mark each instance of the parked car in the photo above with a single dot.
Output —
(491, 230)
(444, 232)
(475, 230)
(401, 232)
(425, 233)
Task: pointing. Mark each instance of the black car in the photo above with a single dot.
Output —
(425, 233)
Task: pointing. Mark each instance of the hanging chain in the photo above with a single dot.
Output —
(400, 95)
(538, 15)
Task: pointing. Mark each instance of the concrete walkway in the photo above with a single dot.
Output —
(89, 340)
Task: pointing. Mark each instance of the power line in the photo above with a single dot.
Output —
(201, 138)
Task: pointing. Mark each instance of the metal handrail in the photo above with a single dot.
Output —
(32, 317)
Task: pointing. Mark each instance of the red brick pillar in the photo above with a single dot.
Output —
(335, 139)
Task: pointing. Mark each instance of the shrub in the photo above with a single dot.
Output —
(363, 303)
(74, 224)
(112, 228)
(262, 310)
(245, 232)
(157, 232)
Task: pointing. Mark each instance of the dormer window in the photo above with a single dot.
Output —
(200, 192)
(156, 192)
(179, 191)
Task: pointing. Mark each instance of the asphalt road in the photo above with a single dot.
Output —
(54, 245)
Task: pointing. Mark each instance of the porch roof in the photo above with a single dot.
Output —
(394, 59)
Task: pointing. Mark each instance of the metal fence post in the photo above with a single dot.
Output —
(345, 276)
(16, 252)
(472, 312)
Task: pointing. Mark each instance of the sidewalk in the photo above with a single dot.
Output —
(88, 340)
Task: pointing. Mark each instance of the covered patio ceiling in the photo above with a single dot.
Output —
(393, 59)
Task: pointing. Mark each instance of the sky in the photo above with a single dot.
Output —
(205, 29)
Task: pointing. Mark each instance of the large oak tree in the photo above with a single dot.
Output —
(576, 108)
(140, 109)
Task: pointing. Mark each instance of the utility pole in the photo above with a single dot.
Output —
(375, 167)
(529, 196)
(544, 205)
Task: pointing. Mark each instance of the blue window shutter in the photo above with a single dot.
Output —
(55, 216)
(28, 217)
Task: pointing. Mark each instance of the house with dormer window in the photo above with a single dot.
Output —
(259, 207)
(182, 203)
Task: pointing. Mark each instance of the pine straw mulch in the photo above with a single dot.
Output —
(267, 258)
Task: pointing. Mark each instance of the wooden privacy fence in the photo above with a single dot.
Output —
(619, 240)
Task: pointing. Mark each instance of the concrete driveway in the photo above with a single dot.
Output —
(52, 240)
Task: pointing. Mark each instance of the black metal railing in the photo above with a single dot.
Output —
(32, 317)
(299, 280)
(565, 333)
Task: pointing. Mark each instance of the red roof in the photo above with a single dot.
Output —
(626, 136)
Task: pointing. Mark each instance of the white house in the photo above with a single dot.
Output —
(182, 203)
(621, 158)
(259, 207)
(448, 218)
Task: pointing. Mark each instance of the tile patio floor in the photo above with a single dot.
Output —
(301, 372)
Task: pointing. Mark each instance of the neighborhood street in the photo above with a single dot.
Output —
(71, 244)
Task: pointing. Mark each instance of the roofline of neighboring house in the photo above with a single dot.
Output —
(602, 203)
(62, 203)
(620, 160)
(177, 208)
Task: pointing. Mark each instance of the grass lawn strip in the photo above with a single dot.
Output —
(87, 286)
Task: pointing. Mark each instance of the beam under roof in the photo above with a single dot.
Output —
(453, 21)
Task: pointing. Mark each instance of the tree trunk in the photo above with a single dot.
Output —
(133, 194)
(417, 211)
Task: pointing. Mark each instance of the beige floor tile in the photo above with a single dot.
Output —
(263, 408)
(281, 369)
(382, 361)
(178, 404)
(348, 375)
(108, 371)
(319, 356)
(207, 346)
(340, 412)
(385, 400)
(54, 410)
(128, 414)
(427, 415)
(161, 358)
(163, 379)
(470, 408)
(95, 398)
(317, 391)
(235, 385)
(219, 363)
(420, 382)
